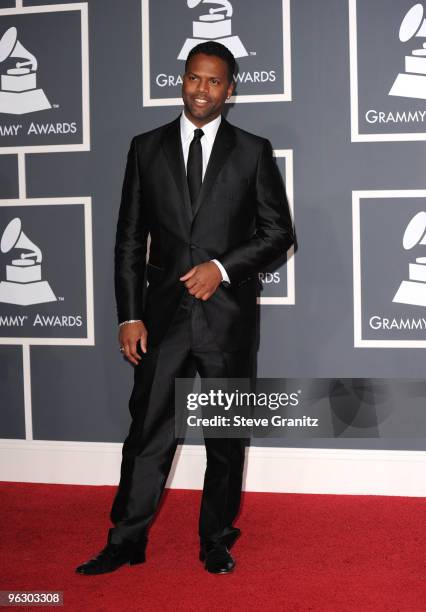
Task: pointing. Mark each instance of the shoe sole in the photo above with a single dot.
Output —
(222, 573)
(133, 561)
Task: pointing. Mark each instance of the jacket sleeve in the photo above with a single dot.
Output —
(131, 243)
(273, 234)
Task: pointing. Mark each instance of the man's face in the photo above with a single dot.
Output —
(205, 88)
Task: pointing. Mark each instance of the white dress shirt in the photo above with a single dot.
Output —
(207, 140)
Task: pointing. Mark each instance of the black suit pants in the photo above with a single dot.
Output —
(149, 448)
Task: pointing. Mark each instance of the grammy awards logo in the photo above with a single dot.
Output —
(18, 86)
(412, 82)
(214, 25)
(413, 291)
(23, 284)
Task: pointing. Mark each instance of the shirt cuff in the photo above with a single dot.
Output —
(225, 276)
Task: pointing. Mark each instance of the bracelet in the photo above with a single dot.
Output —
(130, 321)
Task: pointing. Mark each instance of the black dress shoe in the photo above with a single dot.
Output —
(229, 536)
(111, 558)
(218, 560)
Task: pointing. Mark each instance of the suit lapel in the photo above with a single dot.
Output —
(223, 144)
(172, 147)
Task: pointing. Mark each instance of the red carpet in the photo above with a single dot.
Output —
(297, 553)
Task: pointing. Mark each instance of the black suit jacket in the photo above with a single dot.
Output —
(242, 219)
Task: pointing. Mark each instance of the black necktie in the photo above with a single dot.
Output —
(194, 166)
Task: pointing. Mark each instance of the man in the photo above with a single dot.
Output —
(212, 200)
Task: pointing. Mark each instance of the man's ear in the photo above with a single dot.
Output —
(231, 88)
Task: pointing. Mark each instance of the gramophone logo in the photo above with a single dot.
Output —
(390, 107)
(389, 312)
(216, 25)
(23, 285)
(413, 291)
(259, 39)
(18, 90)
(412, 82)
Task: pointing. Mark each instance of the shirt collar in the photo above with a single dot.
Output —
(187, 128)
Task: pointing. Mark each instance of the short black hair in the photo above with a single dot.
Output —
(211, 47)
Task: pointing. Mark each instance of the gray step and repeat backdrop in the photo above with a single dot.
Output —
(338, 86)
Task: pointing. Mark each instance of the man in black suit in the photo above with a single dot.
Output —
(212, 200)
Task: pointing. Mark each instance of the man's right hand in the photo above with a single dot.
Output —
(129, 335)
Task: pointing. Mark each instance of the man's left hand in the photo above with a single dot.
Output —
(202, 280)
